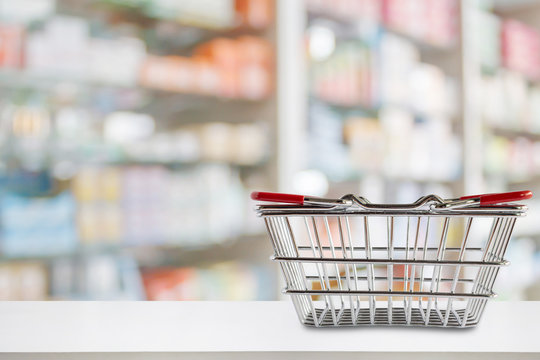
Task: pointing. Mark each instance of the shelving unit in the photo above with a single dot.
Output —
(496, 161)
(378, 98)
(169, 200)
(458, 60)
(356, 113)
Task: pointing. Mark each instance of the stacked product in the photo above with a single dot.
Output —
(240, 68)
(413, 101)
(224, 281)
(37, 226)
(192, 206)
(432, 22)
(521, 48)
(231, 68)
(23, 281)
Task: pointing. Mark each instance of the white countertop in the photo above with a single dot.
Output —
(84, 329)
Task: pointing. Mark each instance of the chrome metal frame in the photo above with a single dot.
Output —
(336, 276)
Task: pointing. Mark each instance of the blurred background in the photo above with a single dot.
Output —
(132, 132)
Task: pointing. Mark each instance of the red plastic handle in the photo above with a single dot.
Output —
(491, 199)
(278, 197)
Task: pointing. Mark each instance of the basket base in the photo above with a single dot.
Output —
(381, 318)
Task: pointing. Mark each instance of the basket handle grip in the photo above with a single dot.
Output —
(497, 198)
(278, 197)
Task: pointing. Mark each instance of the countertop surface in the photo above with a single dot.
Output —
(173, 327)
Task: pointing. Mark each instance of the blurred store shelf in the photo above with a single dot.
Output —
(152, 121)
(130, 135)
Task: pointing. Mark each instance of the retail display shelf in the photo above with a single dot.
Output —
(372, 110)
(141, 162)
(119, 246)
(242, 330)
(132, 13)
(20, 79)
(422, 45)
(513, 133)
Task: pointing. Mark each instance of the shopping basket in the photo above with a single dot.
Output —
(348, 262)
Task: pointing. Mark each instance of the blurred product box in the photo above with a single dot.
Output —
(170, 73)
(96, 277)
(515, 159)
(116, 61)
(223, 281)
(488, 40)
(11, 46)
(257, 14)
(366, 142)
(37, 226)
(521, 48)
(60, 49)
(139, 205)
(434, 22)
(346, 77)
(23, 281)
(239, 68)
(327, 152)
(398, 57)
(202, 13)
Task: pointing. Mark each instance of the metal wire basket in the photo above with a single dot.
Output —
(348, 262)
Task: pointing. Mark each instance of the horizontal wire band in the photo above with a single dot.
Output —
(388, 293)
(384, 248)
(379, 278)
(447, 213)
(387, 261)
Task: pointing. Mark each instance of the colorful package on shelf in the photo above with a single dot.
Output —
(434, 22)
(257, 14)
(23, 281)
(222, 281)
(37, 226)
(239, 68)
(255, 78)
(346, 77)
(11, 46)
(99, 215)
(143, 205)
(521, 48)
(244, 65)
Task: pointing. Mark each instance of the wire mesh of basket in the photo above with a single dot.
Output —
(347, 262)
